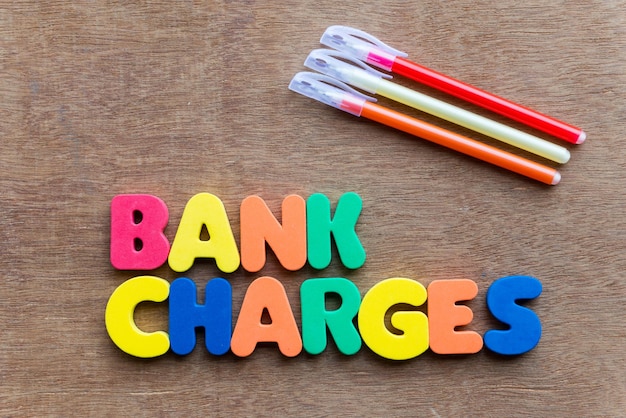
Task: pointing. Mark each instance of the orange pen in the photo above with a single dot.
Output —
(339, 95)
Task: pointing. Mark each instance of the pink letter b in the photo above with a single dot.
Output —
(137, 239)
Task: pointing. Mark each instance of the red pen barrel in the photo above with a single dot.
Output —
(488, 101)
(460, 143)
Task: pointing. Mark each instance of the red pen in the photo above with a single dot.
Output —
(369, 49)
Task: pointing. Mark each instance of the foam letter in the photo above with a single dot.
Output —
(444, 315)
(215, 316)
(137, 239)
(315, 317)
(413, 325)
(204, 209)
(320, 226)
(525, 326)
(259, 226)
(120, 322)
(266, 293)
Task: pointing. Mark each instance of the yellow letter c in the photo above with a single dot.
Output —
(120, 322)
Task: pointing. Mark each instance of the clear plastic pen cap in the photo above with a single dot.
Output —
(361, 45)
(344, 67)
(329, 91)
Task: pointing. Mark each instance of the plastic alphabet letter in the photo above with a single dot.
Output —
(320, 226)
(137, 239)
(259, 226)
(413, 325)
(444, 315)
(215, 316)
(204, 209)
(315, 317)
(266, 293)
(119, 316)
(525, 327)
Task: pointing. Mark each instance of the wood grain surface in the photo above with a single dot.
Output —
(178, 98)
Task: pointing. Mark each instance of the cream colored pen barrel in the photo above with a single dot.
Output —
(468, 120)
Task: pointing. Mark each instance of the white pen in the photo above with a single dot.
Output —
(358, 74)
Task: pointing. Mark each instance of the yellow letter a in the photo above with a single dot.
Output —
(204, 209)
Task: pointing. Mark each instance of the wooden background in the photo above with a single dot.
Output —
(177, 98)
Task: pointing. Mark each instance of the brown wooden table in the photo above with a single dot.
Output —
(178, 98)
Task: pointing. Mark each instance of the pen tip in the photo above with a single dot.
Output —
(581, 137)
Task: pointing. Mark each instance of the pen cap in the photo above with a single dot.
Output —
(361, 45)
(345, 68)
(329, 91)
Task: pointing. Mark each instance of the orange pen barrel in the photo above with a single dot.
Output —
(461, 143)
